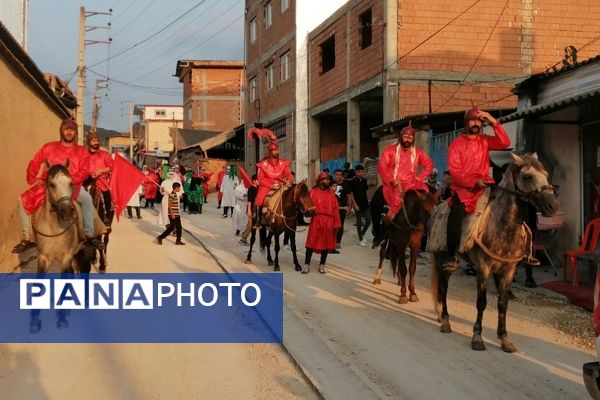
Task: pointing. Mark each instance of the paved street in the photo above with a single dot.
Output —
(352, 339)
(150, 371)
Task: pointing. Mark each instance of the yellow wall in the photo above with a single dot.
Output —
(26, 122)
(158, 135)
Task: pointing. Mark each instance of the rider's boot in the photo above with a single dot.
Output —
(389, 217)
(450, 261)
(94, 242)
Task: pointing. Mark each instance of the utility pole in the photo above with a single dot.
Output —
(130, 114)
(130, 111)
(95, 105)
(81, 66)
(175, 159)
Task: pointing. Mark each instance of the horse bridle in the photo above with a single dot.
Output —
(284, 218)
(523, 195)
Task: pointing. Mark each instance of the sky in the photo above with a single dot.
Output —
(148, 38)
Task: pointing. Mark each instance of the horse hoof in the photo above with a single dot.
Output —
(530, 283)
(445, 328)
(270, 263)
(508, 346)
(377, 282)
(403, 300)
(477, 344)
(102, 270)
(298, 267)
(248, 262)
(35, 326)
(276, 268)
(413, 298)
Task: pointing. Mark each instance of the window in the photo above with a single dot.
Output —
(252, 89)
(270, 78)
(278, 127)
(268, 15)
(285, 66)
(328, 55)
(160, 113)
(366, 31)
(285, 4)
(253, 31)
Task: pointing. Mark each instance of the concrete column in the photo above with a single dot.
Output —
(314, 150)
(390, 56)
(353, 131)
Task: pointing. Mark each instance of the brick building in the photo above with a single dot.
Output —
(376, 61)
(212, 94)
(277, 88)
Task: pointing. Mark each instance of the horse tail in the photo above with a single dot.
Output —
(262, 237)
(435, 286)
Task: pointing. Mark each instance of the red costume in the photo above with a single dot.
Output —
(101, 159)
(204, 178)
(272, 170)
(468, 161)
(219, 182)
(321, 232)
(151, 188)
(400, 164)
(55, 153)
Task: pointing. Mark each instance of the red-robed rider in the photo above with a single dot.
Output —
(59, 152)
(398, 167)
(273, 171)
(101, 165)
(469, 166)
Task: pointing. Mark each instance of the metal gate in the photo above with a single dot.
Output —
(438, 148)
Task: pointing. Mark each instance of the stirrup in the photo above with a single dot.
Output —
(451, 264)
(534, 262)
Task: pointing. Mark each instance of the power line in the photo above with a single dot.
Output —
(478, 56)
(199, 45)
(127, 25)
(191, 36)
(151, 36)
(434, 34)
(126, 9)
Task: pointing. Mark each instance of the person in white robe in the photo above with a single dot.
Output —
(166, 187)
(240, 219)
(228, 185)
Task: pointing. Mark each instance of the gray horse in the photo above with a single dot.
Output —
(501, 244)
(57, 225)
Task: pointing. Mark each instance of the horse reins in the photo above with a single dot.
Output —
(284, 218)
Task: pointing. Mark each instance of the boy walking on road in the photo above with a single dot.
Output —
(174, 216)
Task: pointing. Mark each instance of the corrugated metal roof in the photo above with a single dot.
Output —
(430, 119)
(552, 106)
(552, 73)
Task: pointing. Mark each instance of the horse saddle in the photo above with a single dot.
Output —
(473, 224)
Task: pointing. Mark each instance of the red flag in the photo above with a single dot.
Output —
(125, 179)
(245, 178)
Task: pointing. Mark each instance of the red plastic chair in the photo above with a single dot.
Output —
(588, 246)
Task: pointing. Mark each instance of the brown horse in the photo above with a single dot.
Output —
(406, 230)
(501, 245)
(284, 220)
(106, 217)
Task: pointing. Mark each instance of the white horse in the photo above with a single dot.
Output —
(57, 224)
